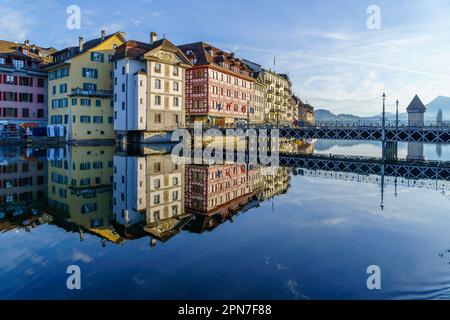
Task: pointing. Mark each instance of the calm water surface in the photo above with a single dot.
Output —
(140, 227)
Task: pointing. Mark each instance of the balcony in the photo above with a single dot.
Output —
(79, 92)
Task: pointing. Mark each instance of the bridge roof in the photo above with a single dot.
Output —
(416, 105)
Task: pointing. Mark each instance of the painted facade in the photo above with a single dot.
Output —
(219, 86)
(210, 189)
(23, 84)
(149, 87)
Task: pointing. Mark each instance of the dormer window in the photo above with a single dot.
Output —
(18, 64)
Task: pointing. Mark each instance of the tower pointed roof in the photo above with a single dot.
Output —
(416, 106)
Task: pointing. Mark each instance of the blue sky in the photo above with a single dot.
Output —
(334, 60)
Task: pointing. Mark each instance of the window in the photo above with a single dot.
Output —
(89, 207)
(89, 86)
(9, 80)
(175, 181)
(157, 199)
(85, 102)
(63, 88)
(74, 101)
(176, 102)
(40, 113)
(158, 118)
(157, 183)
(123, 70)
(18, 64)
(174, 195)
(90, 73)
(25, 112)
(40, 98)
(98, 103)
(98, 119)
(157, 167)
(97, 57)
(85, 166)
(158, 67)
(176, 71)
(156, 215)
(176, 86)
(2, 60)
(157, 100)
(157, 84)
(174, 210)
(85, 119)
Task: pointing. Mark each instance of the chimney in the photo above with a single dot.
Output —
(103, 33)
(153, 37)
(80, 44)
(27, 43)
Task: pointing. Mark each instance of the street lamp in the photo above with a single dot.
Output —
(396, 116)
(384, 112)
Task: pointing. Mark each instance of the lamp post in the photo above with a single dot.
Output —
(396, 116)
(396, 132)
(383, 129)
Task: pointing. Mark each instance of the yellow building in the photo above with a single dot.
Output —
(80, 190)
(80, 84)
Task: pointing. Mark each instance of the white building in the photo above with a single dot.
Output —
(149, 88)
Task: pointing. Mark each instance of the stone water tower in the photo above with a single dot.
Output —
(416, 118)
(416, 113)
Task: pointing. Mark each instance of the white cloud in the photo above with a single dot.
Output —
(14, 24)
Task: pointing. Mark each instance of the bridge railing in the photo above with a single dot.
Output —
(377, 124)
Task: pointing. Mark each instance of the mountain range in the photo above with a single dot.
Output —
(440, 103)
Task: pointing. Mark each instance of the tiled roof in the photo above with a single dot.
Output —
(206, 54)
(136, 50)
(416, 105)
(71, 52)
(12, 49)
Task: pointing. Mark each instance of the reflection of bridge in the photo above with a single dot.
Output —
(374, 179)
(435, 170)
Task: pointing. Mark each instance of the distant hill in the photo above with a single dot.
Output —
(441, 102)
(433, 107)
(323, 115)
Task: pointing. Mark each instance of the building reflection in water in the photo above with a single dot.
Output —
(80, 190)
(119, 196)
(23, 187)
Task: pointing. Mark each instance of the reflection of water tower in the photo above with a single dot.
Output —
(416, 114)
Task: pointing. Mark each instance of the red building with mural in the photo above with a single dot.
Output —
(23, 85)
(219, 86)
(217, 189)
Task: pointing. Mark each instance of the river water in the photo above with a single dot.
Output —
(141, 227)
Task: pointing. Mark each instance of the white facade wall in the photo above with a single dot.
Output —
(126, 90)
(130, 189)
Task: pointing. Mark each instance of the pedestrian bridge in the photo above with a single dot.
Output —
(426, 134)
(375, 133)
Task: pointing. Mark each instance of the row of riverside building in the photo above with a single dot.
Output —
(109, 88)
